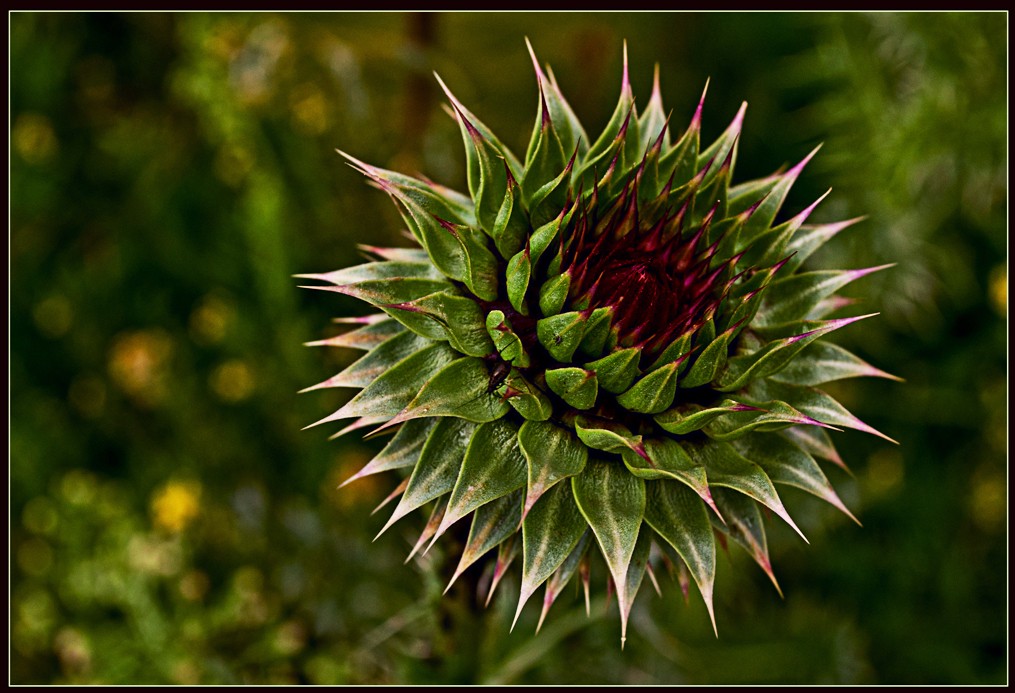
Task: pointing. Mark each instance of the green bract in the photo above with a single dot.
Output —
(604, 346)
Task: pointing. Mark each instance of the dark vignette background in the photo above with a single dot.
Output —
(169, 172)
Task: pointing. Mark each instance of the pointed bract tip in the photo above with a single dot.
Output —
(424, 535)
(775, 583)
(391, 496)
(795, 171)
(433, 540)
(459, 109)
(792, 524)
(354, 426)
(707, 598)
(498, 573)
(384, 528)
(361, 319)
(400, 417)
(623, 618)
(657, 95)
(330, 417)
(535, 63)
(866, 428)
(362, 166)
(738, 120)
(547, 603)
(855, 318)
(878, 373)
(652, 577)
(446, 521)
(625, 85)
(458, 572)
(832, 497)
(523, 598)
(696, 118)
(321, 288)
(832, 228)
(444, 87)
(800, 218)
(766, 565)
(857, 273)
(354, 477)
(588, 598)
(706, 496)
(747, 213)
(830, 326)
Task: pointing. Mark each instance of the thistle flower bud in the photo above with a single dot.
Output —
(606, 347)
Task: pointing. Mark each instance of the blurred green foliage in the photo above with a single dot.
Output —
(169, 172)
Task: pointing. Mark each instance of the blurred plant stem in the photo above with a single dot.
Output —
(418, 99)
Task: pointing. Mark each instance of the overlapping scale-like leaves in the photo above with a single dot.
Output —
(606, 348)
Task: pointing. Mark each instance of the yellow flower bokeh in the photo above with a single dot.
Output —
(175, 505)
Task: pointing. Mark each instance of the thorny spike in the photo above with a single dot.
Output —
(535, 64)
(583, 573)
(504, 558)
(428, 530)
(657, 96)
(391, 496)
(625, 86)
(696, 119)
(684, 580)
(548, 598)
(800, 218)
(749, 212)
(652, 576)
(738, 120)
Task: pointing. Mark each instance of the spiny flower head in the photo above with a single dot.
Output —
(606, 348)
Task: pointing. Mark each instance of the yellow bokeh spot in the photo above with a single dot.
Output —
(137, 364)
(33, 138)
(999, 289)
(211, 319)
(176, 505)
(232, 381)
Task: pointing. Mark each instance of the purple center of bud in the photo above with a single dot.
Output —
(641, 293)
(658, 277)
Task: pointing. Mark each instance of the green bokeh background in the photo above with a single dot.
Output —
(170, 522)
